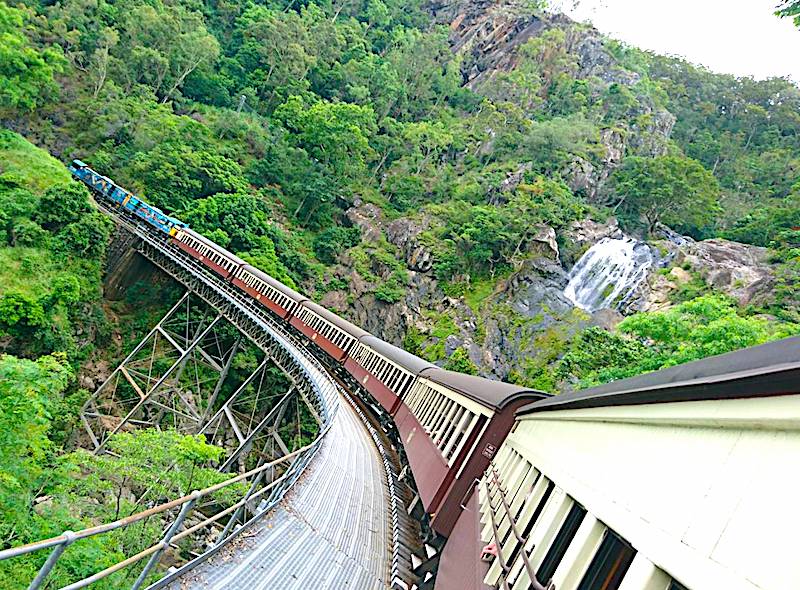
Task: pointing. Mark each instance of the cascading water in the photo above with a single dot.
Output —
(608, 273)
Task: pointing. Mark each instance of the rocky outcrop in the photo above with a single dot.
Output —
(404, 233)
(739, 270)
(368, 218)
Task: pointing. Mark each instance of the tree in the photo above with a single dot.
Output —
(161, 46)
(63, 204)
(26, 74)
(459, 361)
(335, 240)
(173, 175)
(28, 390)
(274, 52)
(674, 190)
(334, 133)
(789, 9)
(21, 315)
(86, 237)
(243, 217)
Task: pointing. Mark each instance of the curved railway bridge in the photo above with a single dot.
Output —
(416, 477)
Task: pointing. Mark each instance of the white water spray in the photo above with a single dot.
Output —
(607, 274)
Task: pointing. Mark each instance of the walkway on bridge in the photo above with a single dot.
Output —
(331, 531)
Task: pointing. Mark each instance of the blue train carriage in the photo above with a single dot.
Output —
(153, 215)
(156, 217)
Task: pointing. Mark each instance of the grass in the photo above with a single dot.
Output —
(27, 270)
(32, 270)
(38, 169)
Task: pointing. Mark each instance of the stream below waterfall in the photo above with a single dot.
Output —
(608, 273)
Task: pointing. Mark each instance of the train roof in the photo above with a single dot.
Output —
(348, 327)
(213, 245)
(288, 291)
(768, 369)
(405, 359)
(488, 392)
(79, 163)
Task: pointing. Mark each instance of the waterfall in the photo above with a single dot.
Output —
(608, 273)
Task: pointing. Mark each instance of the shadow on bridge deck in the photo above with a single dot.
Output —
(332, 530)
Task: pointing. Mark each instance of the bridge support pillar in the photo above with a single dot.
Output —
(170, 379)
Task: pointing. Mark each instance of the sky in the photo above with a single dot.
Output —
(740, 37)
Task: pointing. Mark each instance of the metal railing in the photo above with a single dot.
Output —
(172, 534)
(506, 567)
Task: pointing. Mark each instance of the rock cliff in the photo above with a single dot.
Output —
(505, 328)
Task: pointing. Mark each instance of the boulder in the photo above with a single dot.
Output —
(544, 242)
(368, 217)
(739, 270)
(404, 233)
(585, 233)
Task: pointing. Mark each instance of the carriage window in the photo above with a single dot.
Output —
(676, 586)
(560, 544)
(610, 564)
(534, 517)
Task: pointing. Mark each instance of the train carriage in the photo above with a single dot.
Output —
(451, 425)
(327, 330)
(272, 294)
(385, 371)
(219, 260)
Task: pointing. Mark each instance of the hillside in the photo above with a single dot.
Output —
(434, 172)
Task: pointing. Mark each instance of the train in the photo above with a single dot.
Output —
(449, 425)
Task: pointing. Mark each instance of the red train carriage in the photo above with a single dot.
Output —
(272, 294)
(385, 371)
(451, 425)
(218, 259)
(327, 330)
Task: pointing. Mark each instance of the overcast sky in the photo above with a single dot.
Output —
(740, 37)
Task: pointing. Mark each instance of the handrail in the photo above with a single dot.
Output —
(531, 574)
(128, 520)
(503, 564)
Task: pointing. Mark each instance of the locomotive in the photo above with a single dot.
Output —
(449, 425)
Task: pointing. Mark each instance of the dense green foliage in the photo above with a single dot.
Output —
(676, 191)
(701, 327)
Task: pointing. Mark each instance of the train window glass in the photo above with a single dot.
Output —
(561, 542)
(610, 564)
(673, 585)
